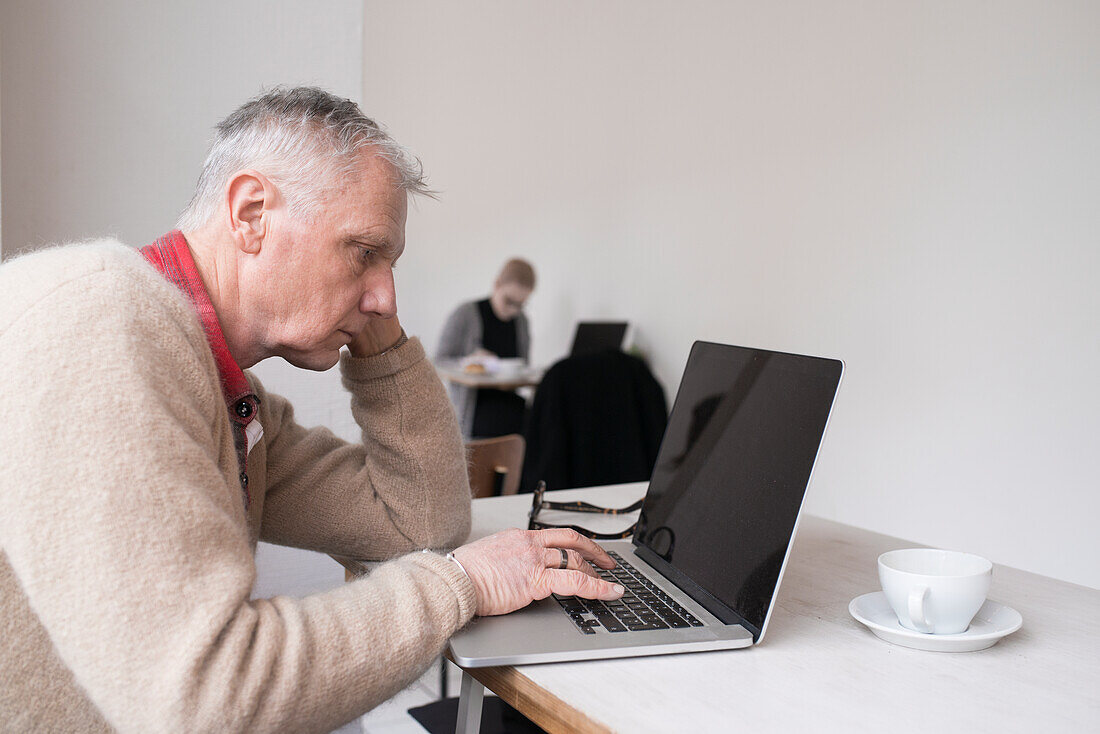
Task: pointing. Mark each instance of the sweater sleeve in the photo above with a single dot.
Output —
(131, 544)
(459, 336)
(404, 487)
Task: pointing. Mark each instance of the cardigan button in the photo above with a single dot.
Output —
(243, 408)
(244, 480)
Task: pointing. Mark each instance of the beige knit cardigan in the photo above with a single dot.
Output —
(126, 551)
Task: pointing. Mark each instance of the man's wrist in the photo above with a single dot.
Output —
(451, 557)
(363, 347)
(400, 341)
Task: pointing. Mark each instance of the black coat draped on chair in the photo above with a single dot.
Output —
(596, 419)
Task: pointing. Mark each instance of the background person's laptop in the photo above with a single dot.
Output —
(598, 336)
(716, 527)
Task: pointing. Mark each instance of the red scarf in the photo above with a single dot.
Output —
(171, 256)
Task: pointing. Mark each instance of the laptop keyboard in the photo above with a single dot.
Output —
(642, 607)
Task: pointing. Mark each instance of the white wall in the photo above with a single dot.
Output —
(911, 187)
(108, 106)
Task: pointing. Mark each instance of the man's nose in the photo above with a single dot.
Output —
(380, 295)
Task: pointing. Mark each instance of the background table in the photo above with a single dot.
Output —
(818, 669)
(452, 372)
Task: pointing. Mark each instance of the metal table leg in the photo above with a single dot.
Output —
(469, 705)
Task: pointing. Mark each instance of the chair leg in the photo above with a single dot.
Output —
(500, 473)
(442, 677)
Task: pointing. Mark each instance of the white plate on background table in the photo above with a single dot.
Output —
(992, 622)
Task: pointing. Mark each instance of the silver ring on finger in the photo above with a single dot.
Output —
(564, 559)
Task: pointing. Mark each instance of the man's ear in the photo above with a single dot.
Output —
(250, 196)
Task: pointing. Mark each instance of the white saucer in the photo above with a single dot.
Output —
(992, 622)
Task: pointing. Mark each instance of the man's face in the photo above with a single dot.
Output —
(322, 280)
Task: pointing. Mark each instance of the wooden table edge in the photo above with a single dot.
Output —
(536, 703)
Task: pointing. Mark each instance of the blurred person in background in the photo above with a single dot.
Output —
(492, 327)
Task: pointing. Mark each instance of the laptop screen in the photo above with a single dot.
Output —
(597, 336)
(732, 471)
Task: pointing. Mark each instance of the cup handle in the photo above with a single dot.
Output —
(917, 598)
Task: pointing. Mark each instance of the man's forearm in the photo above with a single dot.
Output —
(404, 487)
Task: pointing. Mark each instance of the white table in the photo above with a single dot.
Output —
(511, 380)
(817, 668)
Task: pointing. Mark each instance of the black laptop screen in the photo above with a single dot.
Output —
(597, 336)
(733, 468)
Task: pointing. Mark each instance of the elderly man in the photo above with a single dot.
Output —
(140, 463)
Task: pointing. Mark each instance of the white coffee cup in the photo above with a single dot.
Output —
(934, 591)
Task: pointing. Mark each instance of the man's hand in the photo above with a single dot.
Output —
(512, 568)
(376, 337)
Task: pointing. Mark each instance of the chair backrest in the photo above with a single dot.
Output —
(596, 419)
(495, 464)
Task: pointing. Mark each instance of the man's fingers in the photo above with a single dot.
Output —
(558, 558)
(566, 538)
(578, 583)
(600, 558)
(574, 560)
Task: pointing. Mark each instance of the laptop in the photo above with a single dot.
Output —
(715, 529)
(598, 336)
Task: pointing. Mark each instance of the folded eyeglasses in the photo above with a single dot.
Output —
(538, 504)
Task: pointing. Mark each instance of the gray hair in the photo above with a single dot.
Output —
(298, 137)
